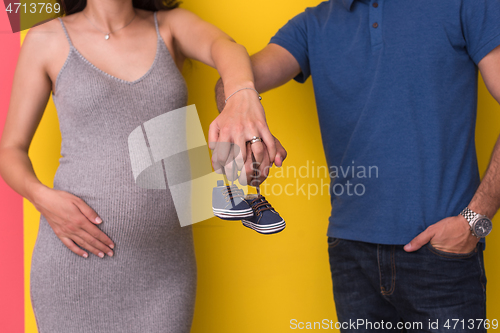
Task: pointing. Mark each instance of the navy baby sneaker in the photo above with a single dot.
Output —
(228, 202)
(265, 220)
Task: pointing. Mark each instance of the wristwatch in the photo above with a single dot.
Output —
(480, 225)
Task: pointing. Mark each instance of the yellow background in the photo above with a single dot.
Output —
(247, 282)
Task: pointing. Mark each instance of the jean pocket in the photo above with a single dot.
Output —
(333, 241)
(451, 255)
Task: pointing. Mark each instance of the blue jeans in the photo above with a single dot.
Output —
(382, 288)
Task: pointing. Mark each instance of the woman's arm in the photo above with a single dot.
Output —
(68, 215)
(272, 67)
(244, 115)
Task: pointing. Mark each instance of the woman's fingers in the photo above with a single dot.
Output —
(236, 125)
(239, 151)
(229, 156)
(92, 216)
(81, 231)
(88, 212)
(231, 167)
(246, 174)
(254, 174)
(228, 151)
(87, 240)
(213, 134)
(215, 160)
(222, 150)
(86, 245)
(72, 246)
(95, 238)
(242, 120)
(72, 219)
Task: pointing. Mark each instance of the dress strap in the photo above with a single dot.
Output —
(156, 26)
(65, 32)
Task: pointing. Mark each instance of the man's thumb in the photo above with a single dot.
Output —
(419, 241)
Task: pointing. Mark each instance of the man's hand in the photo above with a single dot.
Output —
(254, 174)
(451, 234)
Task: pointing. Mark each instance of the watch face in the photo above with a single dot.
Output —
(482, 227)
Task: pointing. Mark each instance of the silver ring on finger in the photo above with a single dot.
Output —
(255, 139)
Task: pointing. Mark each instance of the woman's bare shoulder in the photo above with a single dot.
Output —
(47, 37)
(172, 12)
(47, 30)
(173, 15)
(45, 44)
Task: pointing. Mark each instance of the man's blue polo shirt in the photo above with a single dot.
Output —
(396, 91)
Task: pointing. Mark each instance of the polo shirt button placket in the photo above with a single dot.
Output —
(375, 19)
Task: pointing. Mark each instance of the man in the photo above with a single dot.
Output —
(396, 87)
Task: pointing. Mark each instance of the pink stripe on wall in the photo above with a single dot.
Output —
(11, 204)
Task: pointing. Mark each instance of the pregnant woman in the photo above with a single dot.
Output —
(111, 256)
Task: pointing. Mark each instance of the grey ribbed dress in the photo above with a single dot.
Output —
(149, 285)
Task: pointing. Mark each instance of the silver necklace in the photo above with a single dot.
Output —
(106, 35)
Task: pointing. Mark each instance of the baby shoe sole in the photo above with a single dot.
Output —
(226, 214)
(267, 229)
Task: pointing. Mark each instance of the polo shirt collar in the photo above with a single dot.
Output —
(347, 4)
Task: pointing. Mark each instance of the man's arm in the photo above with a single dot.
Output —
(486, 201)
(272, 67)
(452, 234)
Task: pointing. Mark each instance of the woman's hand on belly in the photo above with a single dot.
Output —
(74, 222)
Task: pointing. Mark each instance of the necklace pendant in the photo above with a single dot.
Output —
(106, 37)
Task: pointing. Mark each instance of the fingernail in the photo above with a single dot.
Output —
(408, 246)
(98, 220)
(112, 246)
(85, 255)
(101, 254)
(110, 253)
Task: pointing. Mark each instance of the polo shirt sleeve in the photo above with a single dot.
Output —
(481, 27)
(293, 37)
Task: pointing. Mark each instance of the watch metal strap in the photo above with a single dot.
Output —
(468, 214)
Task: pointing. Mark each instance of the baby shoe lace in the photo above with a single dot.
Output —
(260, 204)
(232, 192)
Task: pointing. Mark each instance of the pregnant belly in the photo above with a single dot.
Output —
(130, 214)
